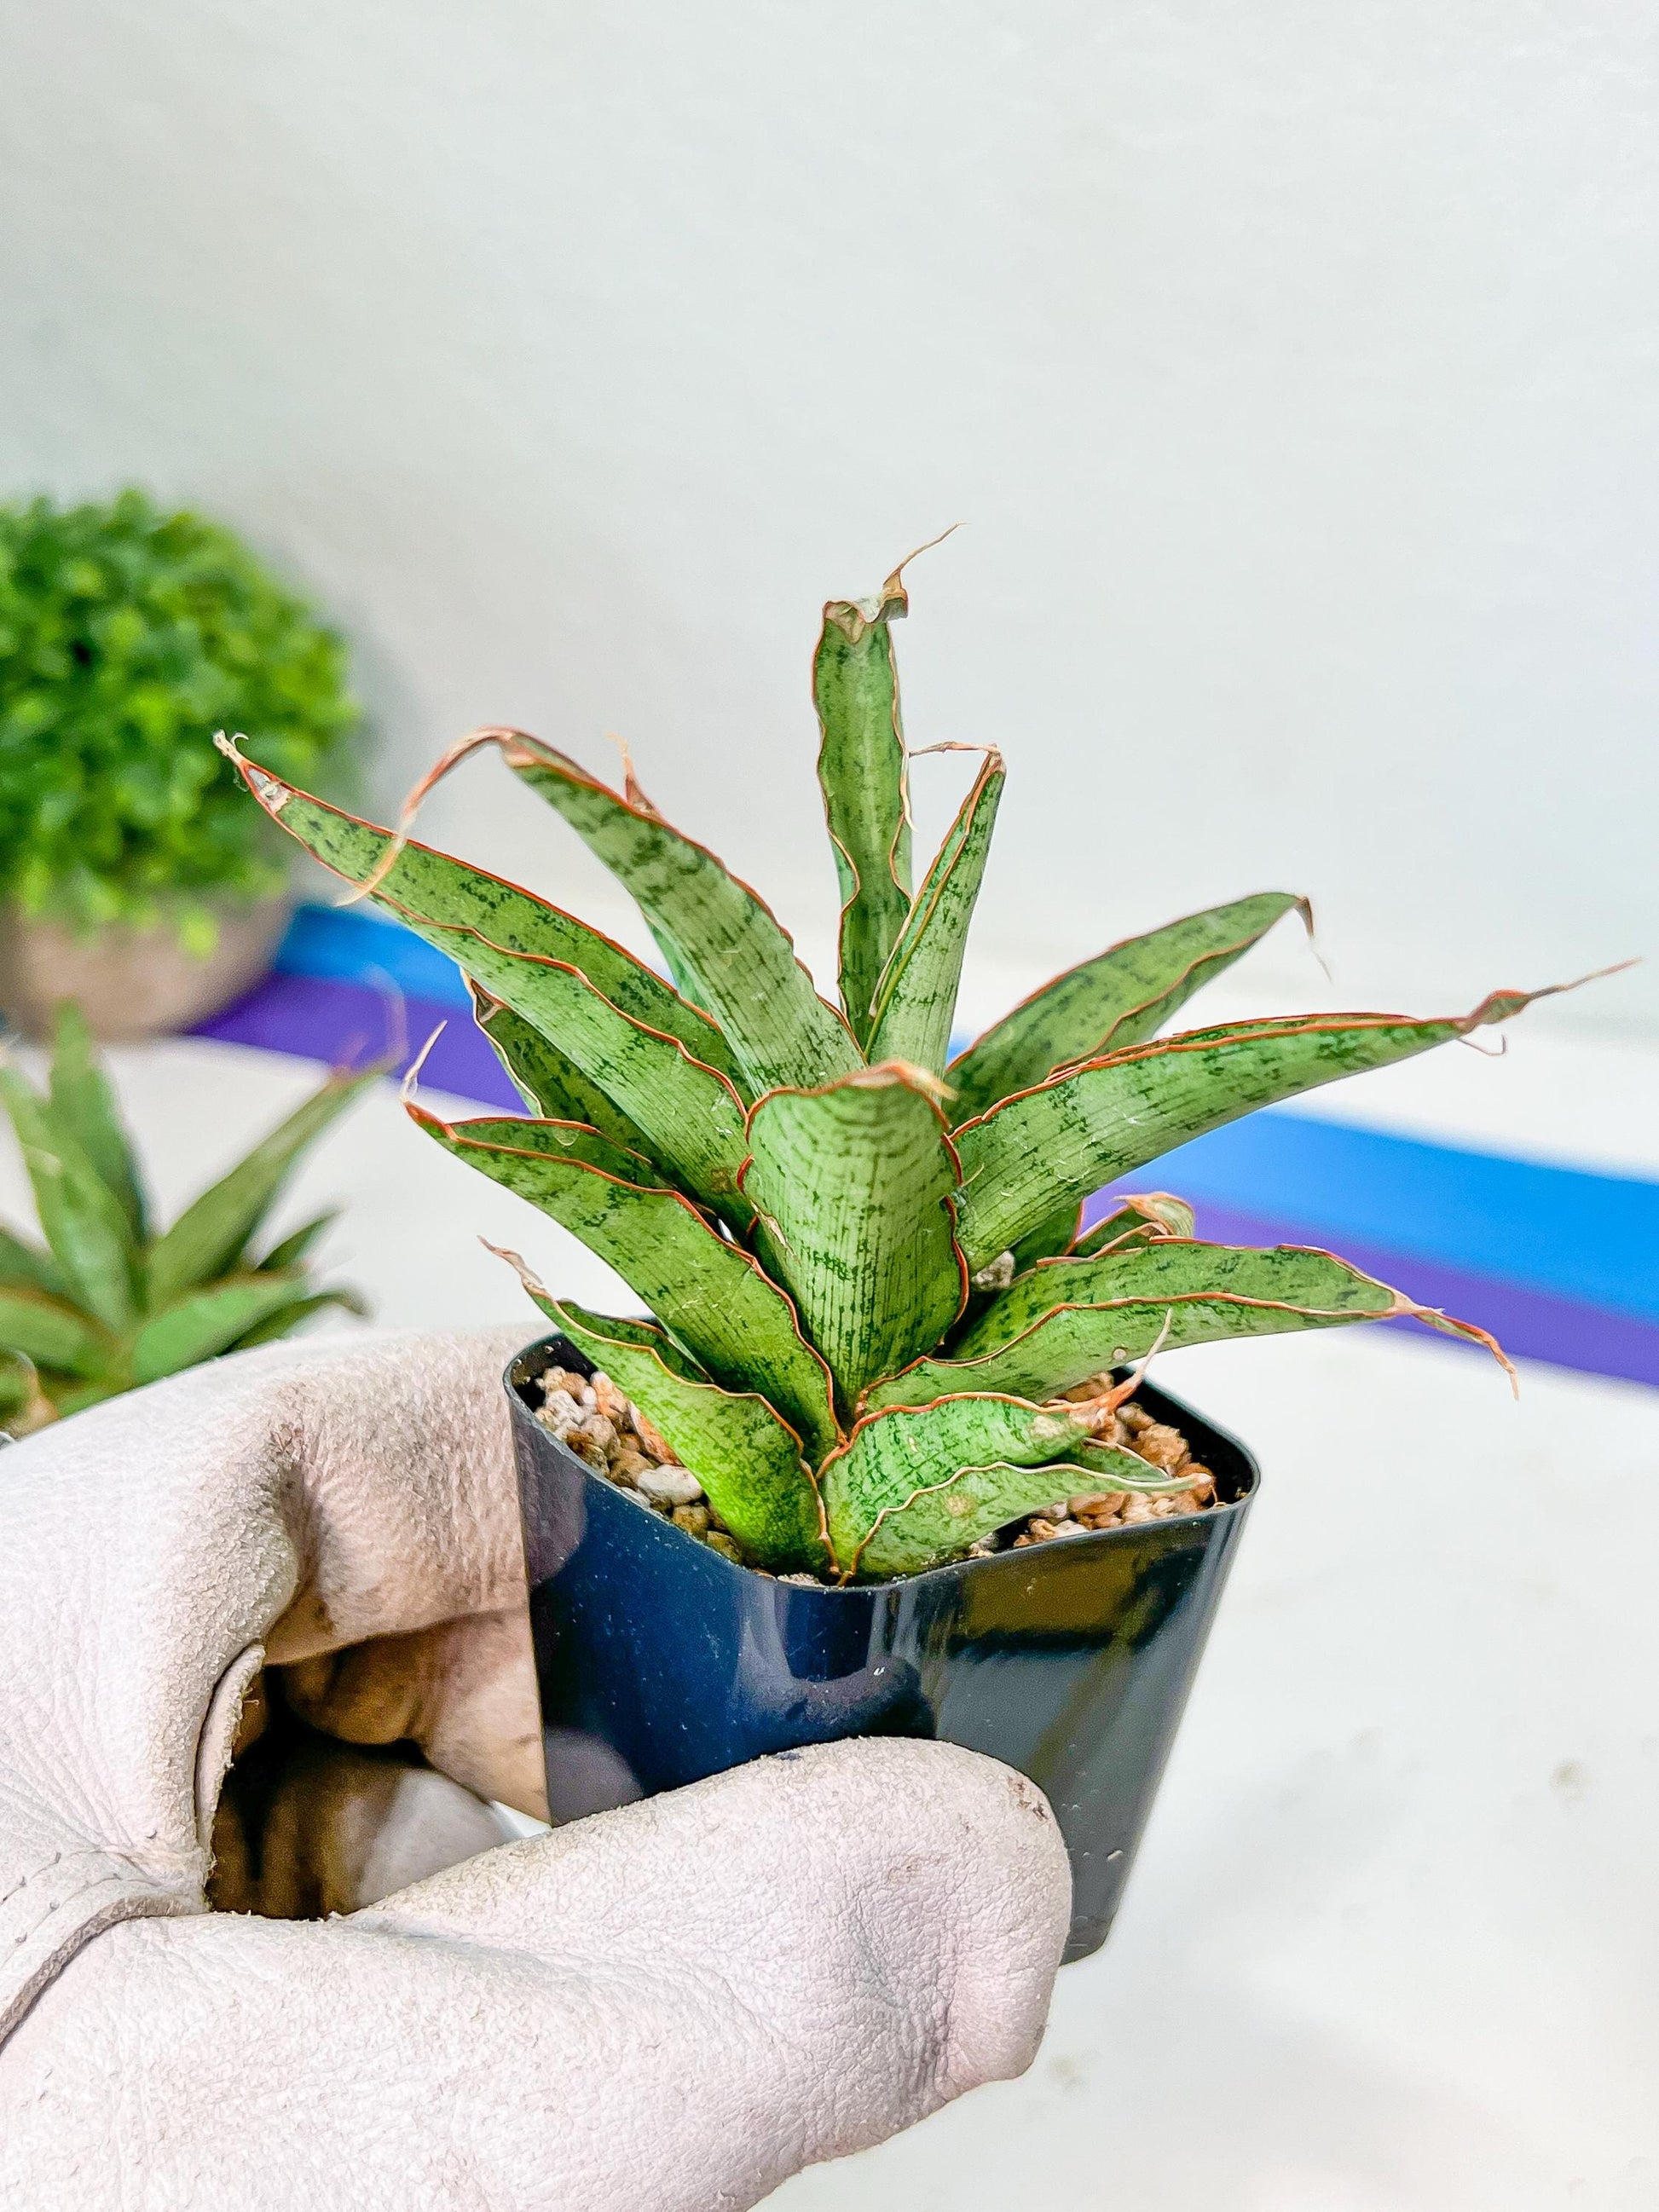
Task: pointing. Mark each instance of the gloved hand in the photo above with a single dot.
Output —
(673, 2006)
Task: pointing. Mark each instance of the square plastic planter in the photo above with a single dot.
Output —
(659, 1661)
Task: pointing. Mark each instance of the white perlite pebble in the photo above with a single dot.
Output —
(668, 1485)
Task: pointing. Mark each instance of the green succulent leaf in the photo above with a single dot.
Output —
(710, 1293)
(286, 1319)
(746, 1456)
(852, 1187)
(915, 999)
(716, 932)
(53, 1334)
(550, 1081)
(1121, 997)
(212, 1234)
(90, 1236)
(294, 1248)
(1043, 1148)
(1071, 1319)
(25, 1266)
(207, 1321)
(83, 1103)
(477, 918)
(861, 772)
(891, 1457)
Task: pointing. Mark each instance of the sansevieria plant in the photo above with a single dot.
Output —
(863, 1260)
(109, 1300)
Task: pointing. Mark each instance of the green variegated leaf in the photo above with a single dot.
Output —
(852, 1186)
(53, 1334)
(746, 1456)
(213, 1232)
(890, 1458)
(976, 1501)
(716, 932)
(861, 772)
(1044, 1148)
(711, 1294)
(1135, 1220)
(915, 999)
(550, 1081)
(467, 913)
(90, 1236)
(1068, 1319)
(84, 1104)
(1120, 997)
(207, 1321)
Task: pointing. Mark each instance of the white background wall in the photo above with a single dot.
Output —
(1293, 369)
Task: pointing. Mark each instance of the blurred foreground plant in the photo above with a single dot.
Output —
(107, 1303)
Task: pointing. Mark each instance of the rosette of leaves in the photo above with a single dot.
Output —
(867, 1285)
(106, 1302)
(127, 637)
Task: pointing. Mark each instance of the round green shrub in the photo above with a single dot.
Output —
(128, 637)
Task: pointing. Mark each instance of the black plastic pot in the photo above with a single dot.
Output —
(659, 1661)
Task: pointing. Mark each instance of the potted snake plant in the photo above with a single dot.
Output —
(879, 1456)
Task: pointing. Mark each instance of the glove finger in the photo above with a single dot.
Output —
(464, 1692)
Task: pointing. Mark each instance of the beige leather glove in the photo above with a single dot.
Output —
(673, 2006)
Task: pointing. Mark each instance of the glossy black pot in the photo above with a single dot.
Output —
(659, 1661)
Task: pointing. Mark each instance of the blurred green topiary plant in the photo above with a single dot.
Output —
(108, 1302)
(128, 637)
(872, 1293)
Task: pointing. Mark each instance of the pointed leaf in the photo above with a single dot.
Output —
(891, 1457)
(746, 1456)
(1121, 997)
(294, 1249)
(711, 1294)
(716, 932)
(25, 1266)
(83, 1103)
(975, 1503)
(90, 1236)
(1041, 1148)
(1068, 1319)
(212, 1231)
(467, 914)
(861, 772)
(550, 1081)
(52, 1335)
(852, 1187)
(286, 1319)
(207, 1321)
(915, 1001)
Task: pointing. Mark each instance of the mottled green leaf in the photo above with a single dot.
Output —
(1121, 997)
(1068, 1320)
(862, 775)
(853, 1188)
(212, 1231)
(90, 1234)
(915, 999)
(52, 1335)
(468, 914)
(746, 1456)
(83, 1103)
(710, 1293)
(550, 1081)
(892, 1457)
(1041, 1148)
(207, 1321)
(716, 932)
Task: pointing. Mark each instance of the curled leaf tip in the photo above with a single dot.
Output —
(411, 1083)
(526, 1273)
(411, 807)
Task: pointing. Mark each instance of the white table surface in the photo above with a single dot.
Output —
(1392, 1941)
